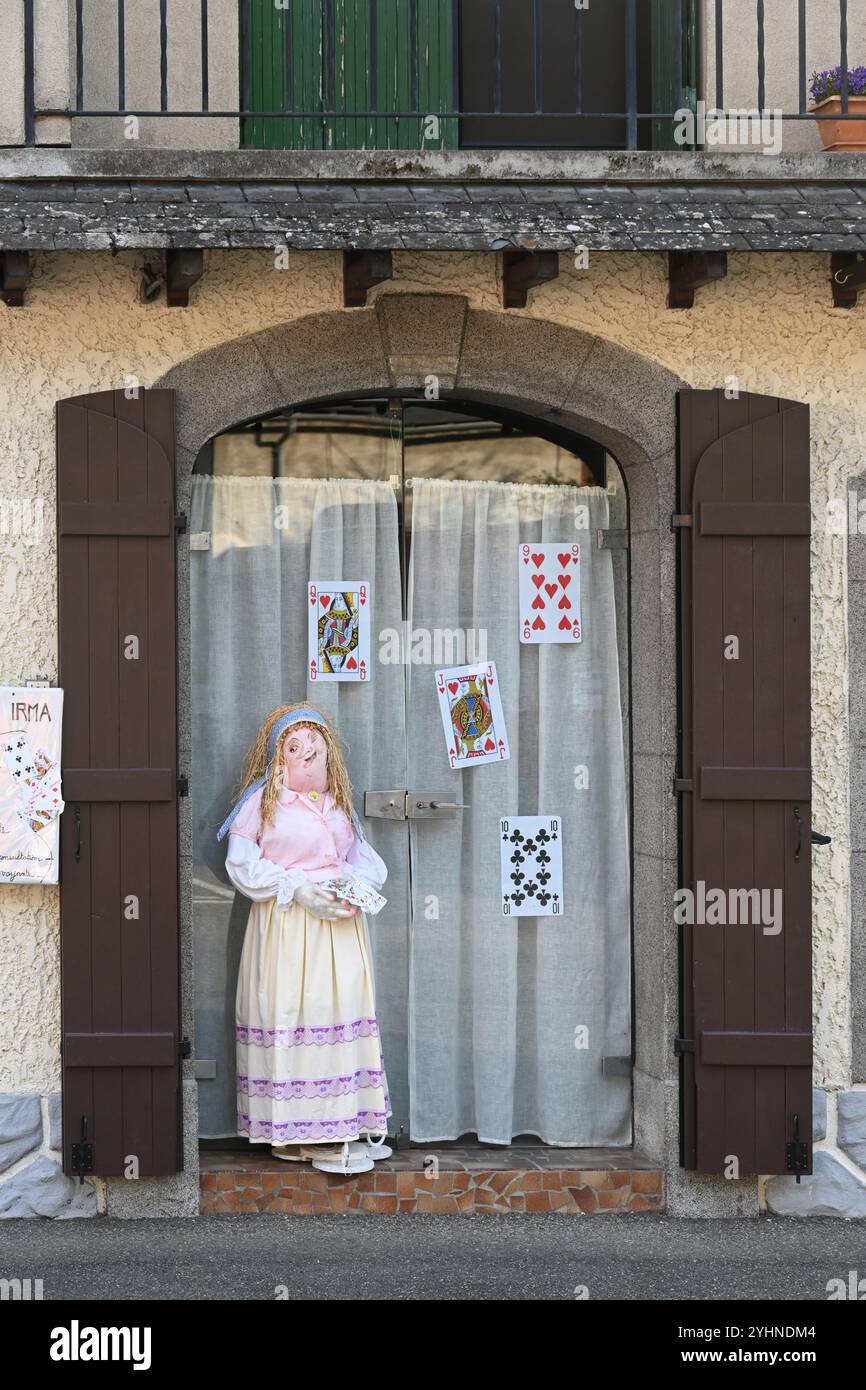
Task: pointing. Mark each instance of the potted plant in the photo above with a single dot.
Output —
(849, 133)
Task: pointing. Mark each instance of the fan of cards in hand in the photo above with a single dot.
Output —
(37, 780)
(354, 891)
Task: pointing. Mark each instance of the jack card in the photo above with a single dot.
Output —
(472, 717)
(338, 630)
(531, 866)
(549, 592)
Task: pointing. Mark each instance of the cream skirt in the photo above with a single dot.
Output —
(309, 1063)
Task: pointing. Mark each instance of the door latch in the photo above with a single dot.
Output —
(797, 1152)
(411, 805)
(82, 1153)
(385, 805)
(431, 805)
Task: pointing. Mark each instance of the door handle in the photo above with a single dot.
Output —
(432, 805)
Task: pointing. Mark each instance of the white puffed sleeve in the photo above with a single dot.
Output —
(259, 878)
(366, 863)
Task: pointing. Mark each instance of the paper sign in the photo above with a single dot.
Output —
(30, 795)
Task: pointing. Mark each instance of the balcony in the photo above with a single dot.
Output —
(520, 126)
(427, 76)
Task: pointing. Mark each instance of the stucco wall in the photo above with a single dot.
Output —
(770, 323)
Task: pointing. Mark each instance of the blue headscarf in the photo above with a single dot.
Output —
(295, 716)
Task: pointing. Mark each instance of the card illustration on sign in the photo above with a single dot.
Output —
(549, 592)
(338, 631)
(531, 866)
(472, 716)
(30, 793)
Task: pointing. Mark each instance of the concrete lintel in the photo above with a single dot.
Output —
(460, 166)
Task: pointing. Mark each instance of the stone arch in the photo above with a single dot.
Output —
(623, 400)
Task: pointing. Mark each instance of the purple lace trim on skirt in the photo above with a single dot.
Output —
(301, 1130)
(305, 1036)
(308, 1089)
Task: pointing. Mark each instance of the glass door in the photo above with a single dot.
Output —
(519, 965)
(311, 497)
(491, 769)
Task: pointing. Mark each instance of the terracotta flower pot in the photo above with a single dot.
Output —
(847, 135)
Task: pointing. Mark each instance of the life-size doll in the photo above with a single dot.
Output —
(310, 1073)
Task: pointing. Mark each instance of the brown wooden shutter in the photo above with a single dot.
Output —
(746, 768)
(119, 831)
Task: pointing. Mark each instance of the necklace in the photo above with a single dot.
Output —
(314, 796)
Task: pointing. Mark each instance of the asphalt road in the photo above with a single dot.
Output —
(472, 1257)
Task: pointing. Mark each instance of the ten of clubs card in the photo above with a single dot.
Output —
(549, 592)
(472, 716)
(338, 630)
(531, 866)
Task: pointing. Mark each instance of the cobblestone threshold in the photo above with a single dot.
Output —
(479, 1182)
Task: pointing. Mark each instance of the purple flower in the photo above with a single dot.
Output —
(829, 83)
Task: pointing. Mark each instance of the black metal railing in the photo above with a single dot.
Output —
(616, 74)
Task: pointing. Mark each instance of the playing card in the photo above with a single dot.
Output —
(531, 866)
(338, 630)
(358, 893)
(549, 592)
(20, 759)
(42, 806)
(43, 764)
(472, 718)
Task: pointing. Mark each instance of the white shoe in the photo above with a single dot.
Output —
(373, 1147)
(286, 1152)
(338, 1158)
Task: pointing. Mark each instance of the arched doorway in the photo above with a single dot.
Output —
(477, 562)
(558, 376)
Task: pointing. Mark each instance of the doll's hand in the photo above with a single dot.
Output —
(320, 903)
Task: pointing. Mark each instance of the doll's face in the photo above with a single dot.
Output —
(305, 758)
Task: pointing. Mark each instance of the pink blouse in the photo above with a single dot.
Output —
(308, 839)
(311, 835)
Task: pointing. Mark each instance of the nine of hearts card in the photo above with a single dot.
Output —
(549, 592)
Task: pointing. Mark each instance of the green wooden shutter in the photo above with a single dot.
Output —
(292, 66)
(669, 93)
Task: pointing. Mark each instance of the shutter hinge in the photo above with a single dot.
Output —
(683, 1045)
(82, 1159)
(180, 523)
(796, 1152)
(185, 1047)
(82, 1153)
(183, 786)
(678, 520)
(683, 784)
